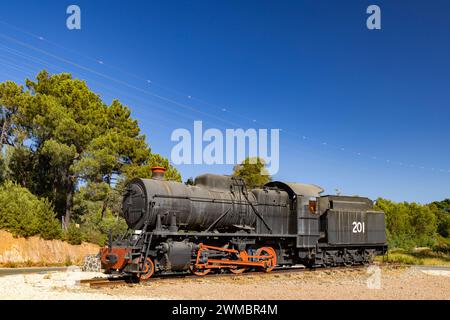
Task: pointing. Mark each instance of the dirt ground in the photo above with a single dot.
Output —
(372, 283)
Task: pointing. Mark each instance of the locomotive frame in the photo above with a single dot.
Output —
(292, 225)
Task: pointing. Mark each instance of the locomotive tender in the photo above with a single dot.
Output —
(216, 224)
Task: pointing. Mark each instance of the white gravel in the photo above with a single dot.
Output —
(392, 283)
(52, 286)
(442, 273)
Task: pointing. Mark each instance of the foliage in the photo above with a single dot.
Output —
(253, 172)
(24, 214)
(76, 136)
(12, 97)
(97, 216)
(96, 228)
(2, 169)
(442, 212)
(60, 141)
(171, 173)
(412, 225)
(92, 222)
(64, 135)
(5, 159)
(417, 257)
(73, 234)
(442, 245)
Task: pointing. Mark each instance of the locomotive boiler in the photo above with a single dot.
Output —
(217, 225)
(187, 207)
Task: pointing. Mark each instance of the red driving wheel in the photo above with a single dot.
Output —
(269, 256)
(149, 269)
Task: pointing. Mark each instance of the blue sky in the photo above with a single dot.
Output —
(311, 68)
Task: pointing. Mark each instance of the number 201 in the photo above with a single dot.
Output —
(358, 227)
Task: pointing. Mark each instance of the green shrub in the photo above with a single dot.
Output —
(73, 234)
(442, 245)
(94, 236)
(68, 262)
(409, 225)
(89, 203)
(24, 214)
(418, 256)
(95, 229)
(402, 257)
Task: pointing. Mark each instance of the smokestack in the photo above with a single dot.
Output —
(158, 173)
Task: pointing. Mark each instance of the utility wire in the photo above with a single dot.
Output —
(168, 100)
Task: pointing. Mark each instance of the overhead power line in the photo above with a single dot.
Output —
(164, 99)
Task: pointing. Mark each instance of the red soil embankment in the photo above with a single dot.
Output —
(37, 251)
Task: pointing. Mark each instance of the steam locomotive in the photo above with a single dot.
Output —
(217, 225)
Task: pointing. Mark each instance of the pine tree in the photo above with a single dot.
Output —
(66, 135)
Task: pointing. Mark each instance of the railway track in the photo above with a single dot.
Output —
(107, 282)
(120, 281)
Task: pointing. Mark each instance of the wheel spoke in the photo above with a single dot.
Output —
(199, 272)
(269, 256)
(237, 270)
(149, 269)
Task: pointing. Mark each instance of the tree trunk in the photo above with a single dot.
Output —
(69, 201)
(4, 133)
(104, 207)
(105, 201)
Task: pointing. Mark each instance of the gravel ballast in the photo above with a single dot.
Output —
(352, 284)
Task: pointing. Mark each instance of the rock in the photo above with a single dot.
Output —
(91, 263)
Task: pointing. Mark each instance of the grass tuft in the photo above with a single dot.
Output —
(418, 256)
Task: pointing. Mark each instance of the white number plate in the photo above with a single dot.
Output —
(358, 227)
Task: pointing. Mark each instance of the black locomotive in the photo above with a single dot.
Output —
(216, 224)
